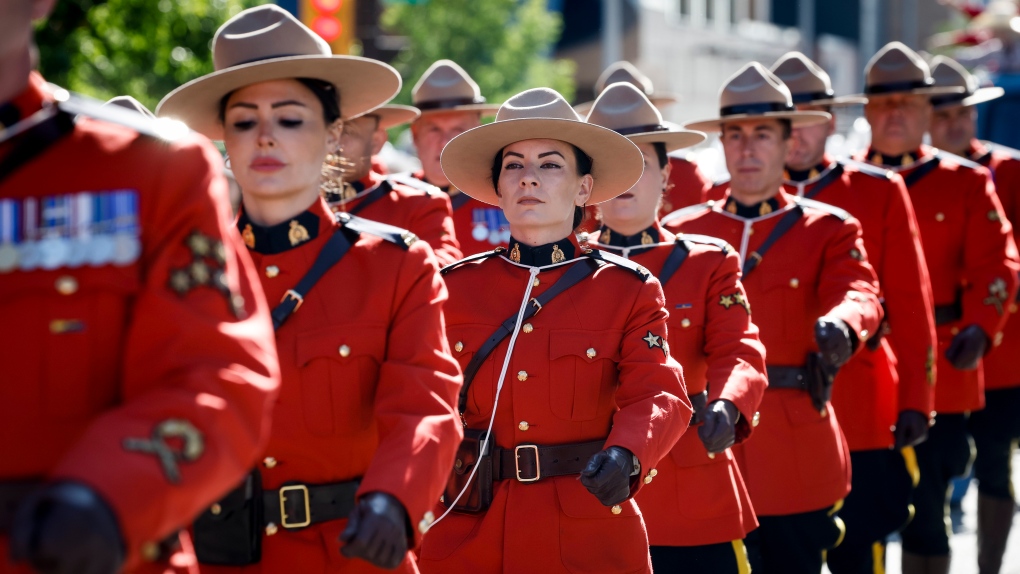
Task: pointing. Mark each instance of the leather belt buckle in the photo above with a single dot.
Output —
(292, 294)
(517, 462)
(285, 520)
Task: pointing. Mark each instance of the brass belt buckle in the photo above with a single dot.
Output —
(284, 519)
(292, 294)
(517, 462)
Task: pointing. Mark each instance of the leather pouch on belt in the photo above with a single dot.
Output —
(230, 532)
(819, 383)
(478, 496)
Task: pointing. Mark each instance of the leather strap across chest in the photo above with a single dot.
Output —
(784, 225)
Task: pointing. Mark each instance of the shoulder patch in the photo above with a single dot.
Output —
(395, 235)
(476, 257)
(868, 169)
(685, 211)
(705, 240)
(1013, 153)
(413, 182)
(633, 267)
(832, 210)
(160, 128)
(942, 154)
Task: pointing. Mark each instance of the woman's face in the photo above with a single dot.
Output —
(539, 185)
(277, 139)
(641, 202)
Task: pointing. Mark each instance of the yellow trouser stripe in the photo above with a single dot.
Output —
(740, 552)
(878, 556)
(910, 458)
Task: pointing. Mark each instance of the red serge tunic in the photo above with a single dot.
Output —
(696, 500)
(798, 460)
(368, 382)
(129, 309)
(972, 260)
(480, 227)
(688, 185)
(591, 365)
(875, 386)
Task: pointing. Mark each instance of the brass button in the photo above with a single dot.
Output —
(536, 282)
(271, 529)
(527, 328)
(864, 334)
(523, 425)
(653, 473)
(591, 353)
(423, 527)
(1012, 307)
(459, 346)
(940, 216)
(648, 480)
(426, 522)
(750, 231)
(711, 455)
(269, 462)
(149, 551)
(522, 376)
(66, 285)
(755, 419)
(216, 509)
(685, 323)
(345, 351)
(458, 464)
(272, 271)
(616, 509)
(794, 282)
(955, 330)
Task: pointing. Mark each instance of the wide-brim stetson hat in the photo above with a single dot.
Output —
(624, 71)
(267, 43)
(949, 72)
(624, 109)
(756, 93)
(446, 87)
(393, 115)
(129, 103)
(808, 83)
(896, 69)
(540, 113)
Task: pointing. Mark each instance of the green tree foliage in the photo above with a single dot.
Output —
(141, 48)
(504, 44)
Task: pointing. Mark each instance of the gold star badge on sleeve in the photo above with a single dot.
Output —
(206, 269)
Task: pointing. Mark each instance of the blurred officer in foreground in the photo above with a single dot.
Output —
(139, 363)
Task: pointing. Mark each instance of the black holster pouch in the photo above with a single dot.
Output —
(819, 381)
(478, 496)
(233, 536)
(876, 338)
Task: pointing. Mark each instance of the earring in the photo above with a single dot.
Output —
(226, 160)
(331, 183)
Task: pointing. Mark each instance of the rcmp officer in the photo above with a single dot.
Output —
(815, 300)
(687, 184)
(576, 385)
(971, 259)
(995, 428)
(889, 384)
(697, 510)
(129, 402)
(450, 104)
(405, 202)
(364, 431)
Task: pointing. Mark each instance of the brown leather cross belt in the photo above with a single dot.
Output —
(531, 462)
(300, 505)
(787, 377)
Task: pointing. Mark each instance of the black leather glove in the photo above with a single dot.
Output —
(607, 475)
(835, 341)
(967, 348)
(65, 528)
(376, 531)
(911, 429)
(719, 430)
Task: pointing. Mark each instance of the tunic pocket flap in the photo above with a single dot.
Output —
(341, 342)
(589, 346)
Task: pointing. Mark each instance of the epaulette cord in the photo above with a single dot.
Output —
(832, 210)
(942, 154)
(413, 182)
(475, 257)
(638, 270)
(393, 234)
(869, 169)
(685, 211)
(705, 240)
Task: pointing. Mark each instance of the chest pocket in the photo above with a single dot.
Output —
(465, 341)
(583, 372)
(339, 367)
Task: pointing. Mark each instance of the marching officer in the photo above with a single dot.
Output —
(571, 395)
(364, 431)
(128, 405)
(816, 302)
(401, 201)
(697, 511)
(995, 428)
(972, 263)
(890, 383)
(451, 104)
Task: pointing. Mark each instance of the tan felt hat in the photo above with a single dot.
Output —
(949, 72)
(624, 71)
(268, 43)
(808, 83)
(446, 87)
(756, 93)
(896, 69)
(624, 109)
(540, 113)
(129, 103)
(393, 115)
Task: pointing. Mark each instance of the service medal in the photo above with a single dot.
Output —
(103, 247)
(9, 256)
(479, 232)
(53, 252)
(126, 249)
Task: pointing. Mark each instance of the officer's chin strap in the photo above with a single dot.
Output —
(534, 271)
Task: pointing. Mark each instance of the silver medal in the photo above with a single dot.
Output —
(103, 247)
(53, 252)
(28, 256)
(480, 232)
(126, 250)
(9, 256)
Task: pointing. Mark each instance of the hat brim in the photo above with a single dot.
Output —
(980, 96)
(672, 139)
(484, 109)
(393, 115)
(363, 84)
(930, 91)
(617, 163)
(658, 100)
(798, 119)
(838, 101)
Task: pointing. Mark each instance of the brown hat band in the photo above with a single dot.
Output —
(950, 99)
(755, 109)
(450, 103)
(812, 96)
(896, 87)
(642, 129)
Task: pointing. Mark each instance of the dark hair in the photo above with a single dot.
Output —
(584, 165)
(787, 128)
(660, 152)
(324, 91)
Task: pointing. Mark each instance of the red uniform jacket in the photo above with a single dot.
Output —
(368, 383)
(1004, 163)
(479, 226)
(425, 212)
(696, 500)
(591, 365)
(875, 386)
(972, 259)
(798, 460)
(688, 185)
(129, 314)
